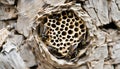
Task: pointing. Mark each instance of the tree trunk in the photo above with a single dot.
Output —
(22, 47)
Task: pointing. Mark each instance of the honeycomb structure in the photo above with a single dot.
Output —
(64, 30)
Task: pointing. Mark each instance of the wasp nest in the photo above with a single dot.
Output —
(64, 31)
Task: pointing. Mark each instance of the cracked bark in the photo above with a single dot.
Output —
(19, 49)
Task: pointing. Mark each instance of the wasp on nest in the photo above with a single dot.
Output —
(62, 32)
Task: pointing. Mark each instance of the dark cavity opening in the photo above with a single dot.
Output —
(63, 22)
(54, 43)
(52, 40)
(66, 28)
(82, 30)
(68, 20)
(76, 35)
(71, 26)
(70, 32)
(76, 29)
(63, 33)
(76, 24)
(62, 26)
(109, 26)
(64, 17)
(57, 28)
(58, 23)
(34, 67)
(68, 36)
(48, 24)
(82, 26)
(53, 25)
(63, 13)
(58, 45)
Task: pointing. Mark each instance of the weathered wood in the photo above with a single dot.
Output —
(7, 12)
(7, 2)
(21, 48)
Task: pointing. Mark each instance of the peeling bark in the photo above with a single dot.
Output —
(20, 47)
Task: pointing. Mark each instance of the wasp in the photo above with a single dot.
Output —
(43, 32)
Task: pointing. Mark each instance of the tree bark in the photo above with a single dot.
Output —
(21, 48)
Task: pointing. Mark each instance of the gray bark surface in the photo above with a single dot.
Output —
(18, 43)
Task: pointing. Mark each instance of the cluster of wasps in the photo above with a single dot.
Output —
(73, 50)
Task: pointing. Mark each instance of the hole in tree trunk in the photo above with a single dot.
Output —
(109, 26)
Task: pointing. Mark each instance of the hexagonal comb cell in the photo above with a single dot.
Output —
(66, 29)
